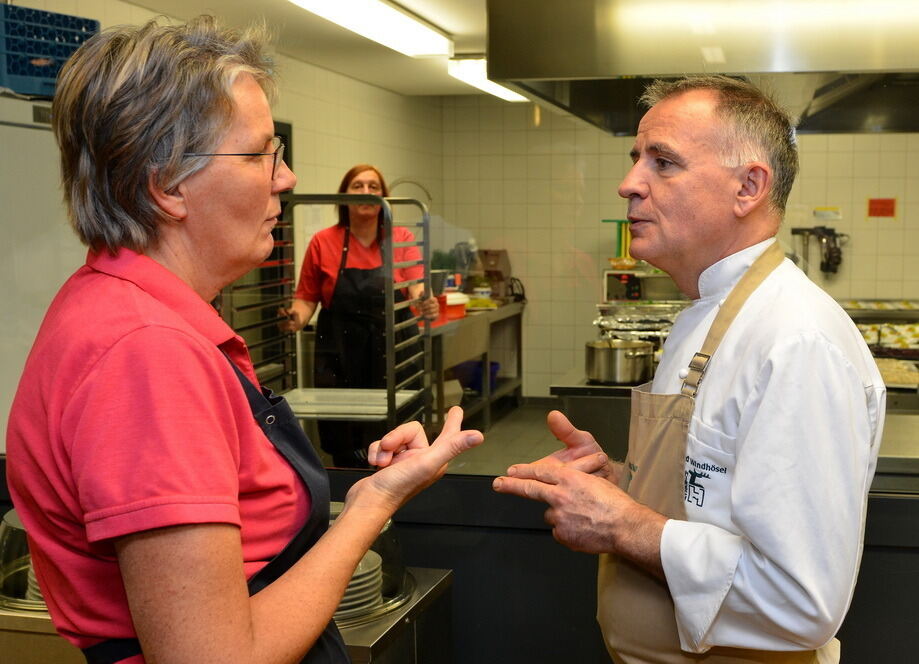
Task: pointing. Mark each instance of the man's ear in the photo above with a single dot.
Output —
(171, 202)
(755, 185)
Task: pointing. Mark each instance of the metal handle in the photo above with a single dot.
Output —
(637, 353)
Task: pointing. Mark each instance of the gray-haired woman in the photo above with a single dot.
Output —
(176, 510)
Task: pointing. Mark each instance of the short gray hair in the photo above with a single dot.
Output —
(756, 128)
(130, 103)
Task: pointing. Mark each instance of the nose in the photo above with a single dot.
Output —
(284, 180)
(632, 184)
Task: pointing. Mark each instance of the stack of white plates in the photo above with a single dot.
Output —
(32, 590)
(364, 591)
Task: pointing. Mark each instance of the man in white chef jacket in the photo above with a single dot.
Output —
(733, 531)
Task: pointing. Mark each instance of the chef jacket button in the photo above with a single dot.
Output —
(270, 419)
(683, 372)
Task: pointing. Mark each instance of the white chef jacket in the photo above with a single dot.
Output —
(780, 454)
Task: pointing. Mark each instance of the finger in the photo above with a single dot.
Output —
(373, 452)
(448, 447)
(544, 473)
(562, 428)
(408, 434)
(525, 488)
(590, 463)
(452, 423)
(377, 456)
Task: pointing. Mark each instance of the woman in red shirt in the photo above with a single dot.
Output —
(343, 269)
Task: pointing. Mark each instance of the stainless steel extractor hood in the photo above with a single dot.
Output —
(838, 65)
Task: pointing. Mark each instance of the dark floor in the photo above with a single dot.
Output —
(518, 436)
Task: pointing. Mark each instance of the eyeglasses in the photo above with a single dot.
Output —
(277, 153)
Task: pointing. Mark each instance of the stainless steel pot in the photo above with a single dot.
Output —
(618, 361)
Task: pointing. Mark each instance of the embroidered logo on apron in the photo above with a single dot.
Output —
(693, 489)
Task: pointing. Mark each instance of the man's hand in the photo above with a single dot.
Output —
(588, 513)
(581, 449)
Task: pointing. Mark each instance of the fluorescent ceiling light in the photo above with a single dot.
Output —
(474, 71)
(384, 24)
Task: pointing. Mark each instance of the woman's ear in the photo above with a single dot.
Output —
(171, 202)
(755, 185)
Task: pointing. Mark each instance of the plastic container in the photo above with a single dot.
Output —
(469, 374)
(34, 44)
(456, 304)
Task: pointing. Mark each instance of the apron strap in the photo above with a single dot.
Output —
(762, 267)
(112, 651)
(344, 253)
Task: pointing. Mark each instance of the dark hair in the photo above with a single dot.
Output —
(353, 172)
(130, 103)
(756, 127)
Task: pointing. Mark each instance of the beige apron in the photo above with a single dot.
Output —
(634, 608)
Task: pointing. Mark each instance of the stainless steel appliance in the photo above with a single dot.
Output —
(638, 320)
(639, 284)
(639, 304)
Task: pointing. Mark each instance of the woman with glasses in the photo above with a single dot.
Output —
(343, 269)
(176, 511)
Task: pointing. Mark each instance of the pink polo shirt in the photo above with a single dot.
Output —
(128, 417)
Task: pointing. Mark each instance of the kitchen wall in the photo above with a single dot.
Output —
(539, 184)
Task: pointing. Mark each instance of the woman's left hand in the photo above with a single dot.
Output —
(408, 464)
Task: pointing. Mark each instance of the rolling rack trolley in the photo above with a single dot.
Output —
(410, 398)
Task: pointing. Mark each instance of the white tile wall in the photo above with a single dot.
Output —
(881, 258)
(538, 184)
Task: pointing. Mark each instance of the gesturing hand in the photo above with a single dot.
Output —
(581, 449)
(408, 464)
(587, 513)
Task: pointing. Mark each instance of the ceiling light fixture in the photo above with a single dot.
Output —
(474, 71)
(385, 24)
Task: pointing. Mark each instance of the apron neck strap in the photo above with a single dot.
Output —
(347, 243)
(762, 267)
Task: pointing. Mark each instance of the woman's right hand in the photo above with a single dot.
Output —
(295, 317)
(290, 320)
(408, 464)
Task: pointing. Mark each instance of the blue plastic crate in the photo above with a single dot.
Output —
(34, 44)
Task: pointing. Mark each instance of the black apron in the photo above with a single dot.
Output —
(350, 352)
(283, 429)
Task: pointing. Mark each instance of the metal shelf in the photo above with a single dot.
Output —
(343, 404)
(249, 305)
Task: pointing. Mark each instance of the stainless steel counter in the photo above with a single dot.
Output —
(898, 460)
(575, 383)
(603, 410)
